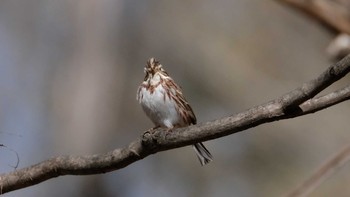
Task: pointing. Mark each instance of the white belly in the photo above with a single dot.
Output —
(159, 108)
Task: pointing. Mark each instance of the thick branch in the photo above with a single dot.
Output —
(287, 106)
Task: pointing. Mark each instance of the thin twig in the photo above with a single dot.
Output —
(17, 156)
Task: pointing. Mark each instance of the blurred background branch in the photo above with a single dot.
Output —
(334, 15)
(326, 170)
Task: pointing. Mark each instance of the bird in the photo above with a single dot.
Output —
(164, 103)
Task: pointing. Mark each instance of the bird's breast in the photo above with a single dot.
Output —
(159, 106)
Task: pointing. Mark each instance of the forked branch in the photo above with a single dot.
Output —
(293, 104)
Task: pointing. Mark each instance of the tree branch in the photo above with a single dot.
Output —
(293, 104)
(334, 14)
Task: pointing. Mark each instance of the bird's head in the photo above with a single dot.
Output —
(153, 69)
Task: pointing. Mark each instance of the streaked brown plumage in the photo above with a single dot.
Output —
(163, 102)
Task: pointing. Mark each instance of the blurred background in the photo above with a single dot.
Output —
(69, 72)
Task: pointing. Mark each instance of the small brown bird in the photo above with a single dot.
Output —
(163, 102)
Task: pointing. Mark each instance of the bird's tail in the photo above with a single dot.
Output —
(202, 153)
